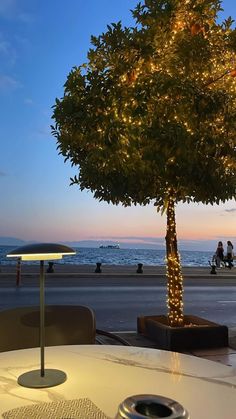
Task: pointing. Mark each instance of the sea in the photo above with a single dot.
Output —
(90, 256)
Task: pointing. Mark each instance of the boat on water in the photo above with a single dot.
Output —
(109, 246)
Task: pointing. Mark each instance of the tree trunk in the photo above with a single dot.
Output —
(174, 275)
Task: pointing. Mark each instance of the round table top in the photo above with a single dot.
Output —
(106, 375)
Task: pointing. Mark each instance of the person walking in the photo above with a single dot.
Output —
(230, 254)
(219, 254)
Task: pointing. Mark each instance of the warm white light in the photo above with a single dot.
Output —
(41, 256)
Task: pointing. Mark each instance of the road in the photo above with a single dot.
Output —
(117, 306)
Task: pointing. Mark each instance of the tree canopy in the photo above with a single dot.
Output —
(153, 109)
(151, 116)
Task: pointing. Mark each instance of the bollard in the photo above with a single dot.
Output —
(140, 268)
(50, 267)
(98, 268)
(18, 272)
(213, 268)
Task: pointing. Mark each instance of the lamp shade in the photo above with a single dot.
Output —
(41, 251)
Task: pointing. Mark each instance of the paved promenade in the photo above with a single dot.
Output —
(83, 275)
(72, 274)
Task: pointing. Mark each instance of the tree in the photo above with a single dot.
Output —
(151, 116)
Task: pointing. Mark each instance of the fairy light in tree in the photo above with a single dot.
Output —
(175, 279)
(154, 95)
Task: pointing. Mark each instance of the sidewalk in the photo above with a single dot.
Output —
(127, 270)
(71, 275)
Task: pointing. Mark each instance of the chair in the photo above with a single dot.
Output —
(102, 335)
(64, 325)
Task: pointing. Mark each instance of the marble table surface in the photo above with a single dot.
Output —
(109, 374)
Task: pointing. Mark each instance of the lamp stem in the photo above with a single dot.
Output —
(42, 310)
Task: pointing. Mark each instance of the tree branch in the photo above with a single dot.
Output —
(218, 78)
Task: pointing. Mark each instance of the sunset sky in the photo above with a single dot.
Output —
(40, 41)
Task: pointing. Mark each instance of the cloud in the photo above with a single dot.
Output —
(144, 238)
(4, 47)
(159, 241)
(7, 51)
(22, 41)
(2, 173)
(44, 131)
(230, 210)
(28, 101)
(8, 83)
(25, 17)
(141, 238)
(7, 8)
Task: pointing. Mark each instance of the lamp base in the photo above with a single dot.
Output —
(33, 379)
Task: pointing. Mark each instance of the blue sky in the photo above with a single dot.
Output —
(40, 41)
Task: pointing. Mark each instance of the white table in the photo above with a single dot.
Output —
(109, 374)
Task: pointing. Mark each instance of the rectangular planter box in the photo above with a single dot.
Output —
(199, 334)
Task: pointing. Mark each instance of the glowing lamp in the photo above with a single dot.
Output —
(44, 251)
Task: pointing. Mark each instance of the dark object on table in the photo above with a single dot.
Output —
(150, 406)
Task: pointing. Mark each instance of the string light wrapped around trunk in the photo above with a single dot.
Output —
(174, 274)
